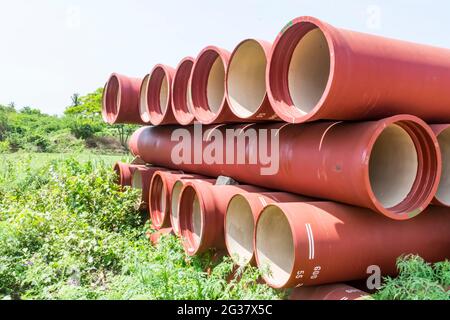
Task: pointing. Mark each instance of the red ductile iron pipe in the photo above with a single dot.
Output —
(308, 244)
(240, 220)
(245, 87)
(175, 194)
(209, 104)
(181, 92)
(202, 210)
(125, 172)
(161, 188)
(120, 101)
(316, 71)
(391, 166)
(442, 132)
(155, 104)
(141, 179)
(329, 292)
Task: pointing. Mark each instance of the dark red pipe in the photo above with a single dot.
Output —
(175, 194)
(124, 172)
(308, 244)
(202, 210)
(245, 84)
(161, 194)
(391, 166)
(208, 87)
(141, 179)
(240, 220)
(181, 93)
(155, 96)
(120, 101)
(442, 132)
(317, 71)
(329, 292)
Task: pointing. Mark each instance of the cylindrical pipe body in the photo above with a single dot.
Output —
(307, 244)
(120, 101)
(125, 172)
(202, 210)
(155, 104)
(160, 195)
(181, 92)
(245, 84)
(442, 132)
(209, 104)
(329, 292)
(240, 220)
(317, 71)
(391, 166)
(175, 194)
(141, 179)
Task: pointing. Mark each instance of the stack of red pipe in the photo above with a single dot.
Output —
(335, 144)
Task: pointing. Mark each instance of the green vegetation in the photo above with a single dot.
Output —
(79, 129)
(417, 280)
(67, 232)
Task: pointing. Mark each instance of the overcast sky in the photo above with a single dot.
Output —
(52, 48)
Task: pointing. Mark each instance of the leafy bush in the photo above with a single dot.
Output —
(417, 280)
(68, 232)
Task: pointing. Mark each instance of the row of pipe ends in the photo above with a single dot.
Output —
(308, 74)
(296, 241)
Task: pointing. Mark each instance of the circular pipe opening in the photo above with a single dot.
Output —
(443, 193)
(399, 173)
(181, 97)
(119, 176)
(275, 246)
(158, 200)
(112, 99)
(208, 86)
(309, 71)
(143, 100)
(300, 69)
(239, 230)
(393, 166)
(191, 219)
(246, 82)
(176, 192)
(158, 92)
(136, 180)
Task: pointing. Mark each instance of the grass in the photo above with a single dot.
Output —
(68, 232)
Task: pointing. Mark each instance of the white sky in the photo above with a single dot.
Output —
(53, 48)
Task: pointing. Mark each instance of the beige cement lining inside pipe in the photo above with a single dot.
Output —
(143, 103)
(240, 227)
(275, 245)
(393, 166)
(443, 193)
(137, 180)
(215, 89)
(246, 79)
(176, 192)
(309, 71)
(164, 95)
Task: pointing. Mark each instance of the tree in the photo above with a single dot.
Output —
(89, 106)
(75, 100)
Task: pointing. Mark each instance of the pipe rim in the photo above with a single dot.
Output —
(180, 90)
(269, 278)
(159, 202)
(112, 98)
(233, 57)
(143, 100)
(248, 258)
(278, 68)
(199, 82)
(189, 195)
(175, 197)
(428, 172)
(160, 77)
(119, 169)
